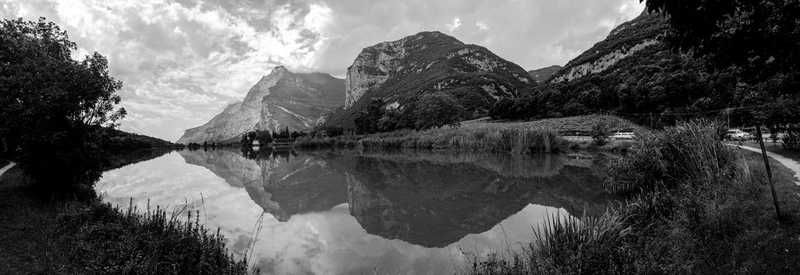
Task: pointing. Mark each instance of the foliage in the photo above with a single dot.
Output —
(54, 107)
(115, 140)
(600, 134)
(431, 110)
(481, 137)
(672, 81)
(103, 239)
(436, 110)
(756, 41)
(567, 246)
(367, 120)
(690, 153)
(266, 137)
(792, 139)
(691, 205)
(586, 246)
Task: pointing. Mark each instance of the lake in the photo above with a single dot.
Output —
(350, 212)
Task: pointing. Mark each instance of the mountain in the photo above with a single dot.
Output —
(631, 73)
(280, 99)
(631, 41)
(399, 72)
(541, 75)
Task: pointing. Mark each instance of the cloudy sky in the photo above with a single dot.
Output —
(182, 61)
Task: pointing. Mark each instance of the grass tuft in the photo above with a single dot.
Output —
(104, 239)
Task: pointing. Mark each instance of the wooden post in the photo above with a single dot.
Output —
(769, 171)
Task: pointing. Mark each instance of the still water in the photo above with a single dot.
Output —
(347, 212)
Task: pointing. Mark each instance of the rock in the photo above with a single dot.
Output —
(635, 42)
(280, 99)
(400, 71)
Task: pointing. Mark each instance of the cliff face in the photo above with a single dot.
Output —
(280, 99)
(400, 71)
(637, 39)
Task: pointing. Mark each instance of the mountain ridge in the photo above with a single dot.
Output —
(400, 71)
(278, 100)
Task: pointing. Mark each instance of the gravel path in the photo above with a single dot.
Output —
(8, 166)
(789, 163)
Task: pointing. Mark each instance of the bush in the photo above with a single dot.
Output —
(599, 134)
(436, 110)
(792, 139)
(690, 153)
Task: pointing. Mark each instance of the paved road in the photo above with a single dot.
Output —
(8, 166)
(789, 163)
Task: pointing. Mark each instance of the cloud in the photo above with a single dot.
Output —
(182, 61)
(481, 25)
(453, 26)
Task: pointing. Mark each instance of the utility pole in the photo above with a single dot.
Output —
(769, 171)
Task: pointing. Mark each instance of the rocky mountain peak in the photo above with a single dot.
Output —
(400, 71)
(278, 100)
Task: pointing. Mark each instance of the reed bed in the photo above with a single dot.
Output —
(566, 245)
(490, 138)
(105, 239)
(310, 142)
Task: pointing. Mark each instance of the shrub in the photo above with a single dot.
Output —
(792, 139)
(436, 110)
(599, 134)
(690, 153)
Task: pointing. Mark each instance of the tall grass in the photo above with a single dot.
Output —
(310, 142)
(690, 153)
(691, 205)
(104, 239)
(492, 138)
(567, 246)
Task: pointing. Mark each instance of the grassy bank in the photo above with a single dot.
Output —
(44, 236)
(692, 205)
(471, 137)
(485, 136)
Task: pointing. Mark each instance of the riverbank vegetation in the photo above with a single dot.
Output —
(691, 205)
(58, 119)
(519, 137)
(473, 137)
(43, 236)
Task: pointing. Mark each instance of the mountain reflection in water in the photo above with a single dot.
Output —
(409, 204)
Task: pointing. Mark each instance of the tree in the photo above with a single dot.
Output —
(758, 41)
(367, 121)
(54, 107)
(438, 109)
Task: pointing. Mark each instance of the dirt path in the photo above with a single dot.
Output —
(789, 163)
(8, 167)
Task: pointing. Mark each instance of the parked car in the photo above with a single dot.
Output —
(623, 136)
(738, 134)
